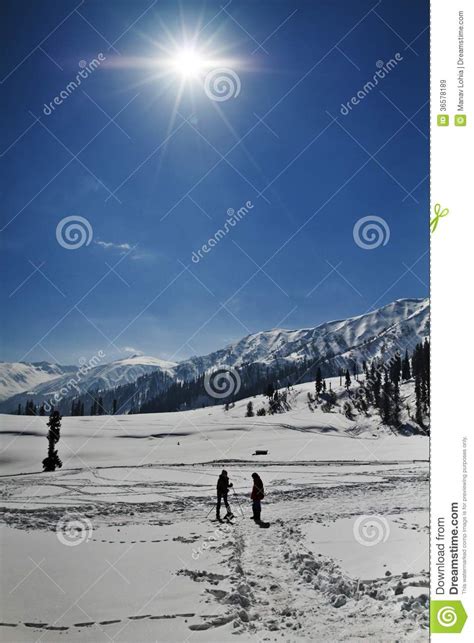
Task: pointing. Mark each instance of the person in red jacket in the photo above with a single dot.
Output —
(257, 496)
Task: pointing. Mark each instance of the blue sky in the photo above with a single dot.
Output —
(155, 182)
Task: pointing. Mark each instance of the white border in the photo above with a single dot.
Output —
(452, 306)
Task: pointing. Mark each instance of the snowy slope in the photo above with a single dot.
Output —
(16, 377)
(143, 562)
(304, 432)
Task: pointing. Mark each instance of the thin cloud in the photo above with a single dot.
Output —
(110, 245)
(134, 252)
(132, 350)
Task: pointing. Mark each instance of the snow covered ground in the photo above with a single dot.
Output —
(119, 544)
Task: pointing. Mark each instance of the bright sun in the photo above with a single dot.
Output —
(188, 62)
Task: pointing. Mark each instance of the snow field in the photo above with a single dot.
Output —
(147, 564)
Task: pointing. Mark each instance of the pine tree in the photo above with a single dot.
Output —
(270, 390)
(387, 400)
(416, 362)
(426, 374)
(100, 410)
(114, 407)
(19, 410)
(406, 370)
(319, 381)
(369, 385)
(348, 380)
(42, 410)
(274, 405)
(324, 386)
(395, 368)
(421, 373)
(378, 387)
(396, 404)
(250, 412)
(419, 400)
(30, 408)
(52, 460)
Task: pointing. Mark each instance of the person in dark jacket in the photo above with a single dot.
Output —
(257, 496)
(223, 486)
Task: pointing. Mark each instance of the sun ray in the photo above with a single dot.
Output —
(179, 64)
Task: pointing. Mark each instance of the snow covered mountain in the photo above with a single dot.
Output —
(401, 324)
(100, 378)
(16, 377)
(121, 372)
(332, 345)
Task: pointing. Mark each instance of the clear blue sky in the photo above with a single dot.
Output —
(298, 160)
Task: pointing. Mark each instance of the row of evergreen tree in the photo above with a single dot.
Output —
(381, 386)
(126, 398)
(378, 388)
(77, 407)
(156, 393)
(255, 378)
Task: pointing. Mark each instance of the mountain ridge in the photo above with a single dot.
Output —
(335, 344)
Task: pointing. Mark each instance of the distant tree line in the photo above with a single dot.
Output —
(255, 379)
(158, 393)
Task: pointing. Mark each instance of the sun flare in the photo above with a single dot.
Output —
(188, 62)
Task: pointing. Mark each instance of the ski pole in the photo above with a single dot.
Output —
(213, 507)
(238, 502)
